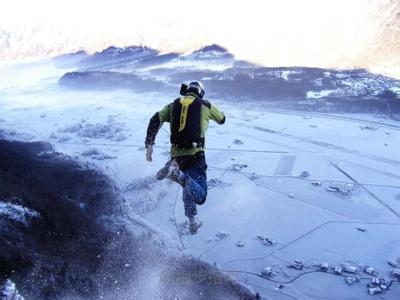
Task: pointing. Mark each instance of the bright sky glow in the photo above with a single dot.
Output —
(270, 32)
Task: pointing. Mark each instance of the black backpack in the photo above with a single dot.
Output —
(186, 123)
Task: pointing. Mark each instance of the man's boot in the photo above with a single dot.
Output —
(175, 173)
(172, 171)
(163, 172)
(194, 225)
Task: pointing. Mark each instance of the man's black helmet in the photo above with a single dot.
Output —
(197, 88)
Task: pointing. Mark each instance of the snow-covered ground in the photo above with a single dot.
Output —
(283, 186)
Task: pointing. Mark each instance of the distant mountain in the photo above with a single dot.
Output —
(301, 88)
(142, 58)
(382, 53)
(135, 57)
(213, 51)
(116, 56)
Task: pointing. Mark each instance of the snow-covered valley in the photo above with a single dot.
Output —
(301, 205)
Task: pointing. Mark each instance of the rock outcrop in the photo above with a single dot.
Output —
(64, 232)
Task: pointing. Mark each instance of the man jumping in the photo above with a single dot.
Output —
(188, 117)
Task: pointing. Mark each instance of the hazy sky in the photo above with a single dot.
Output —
(270, 32)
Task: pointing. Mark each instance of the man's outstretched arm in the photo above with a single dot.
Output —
(217, 115)
(154, 126)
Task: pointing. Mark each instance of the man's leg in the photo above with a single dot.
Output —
(189, 204)
(196, 185)
(194, 192)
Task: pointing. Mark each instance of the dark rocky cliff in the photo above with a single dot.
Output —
(64, 232)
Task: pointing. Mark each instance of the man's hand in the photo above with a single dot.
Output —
(149, 153)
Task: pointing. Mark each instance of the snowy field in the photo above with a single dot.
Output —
(284, 186)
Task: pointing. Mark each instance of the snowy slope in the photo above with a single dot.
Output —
(283, 185)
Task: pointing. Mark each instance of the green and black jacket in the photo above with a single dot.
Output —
(208, 112)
